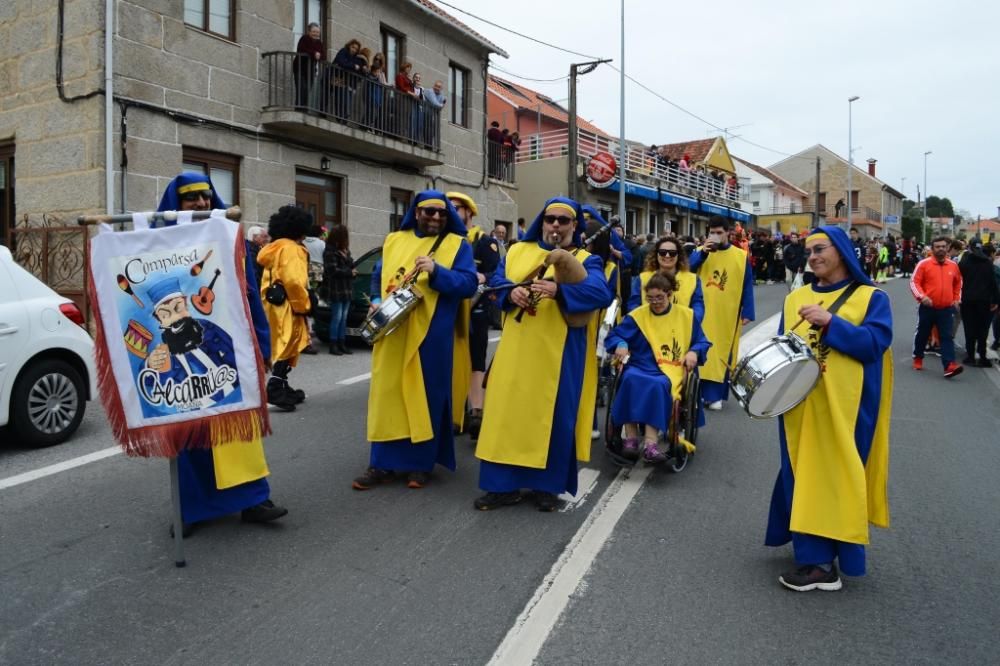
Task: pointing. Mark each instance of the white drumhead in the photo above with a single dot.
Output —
(784, 388)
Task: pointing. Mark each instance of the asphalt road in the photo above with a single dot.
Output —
(396, 576)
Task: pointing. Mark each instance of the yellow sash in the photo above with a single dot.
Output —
(239, 462)
(722, 276)
(524, 379)
(397, 398)
(836, 496)
(686, 283)
(669, 336)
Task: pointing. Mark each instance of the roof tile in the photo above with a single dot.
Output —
(530, 100)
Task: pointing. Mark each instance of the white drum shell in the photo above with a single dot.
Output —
(390, 314)
(775, 377)
(608, 323)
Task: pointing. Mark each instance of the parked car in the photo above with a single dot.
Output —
(47, 371)
(356, 314)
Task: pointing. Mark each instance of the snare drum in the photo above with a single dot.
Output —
(608, 323)
(393, 311)
(776, 376)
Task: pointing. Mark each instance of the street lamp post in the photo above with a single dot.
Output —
(850, 156)
(926, 218)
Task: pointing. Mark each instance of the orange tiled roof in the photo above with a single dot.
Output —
(767, 173)
(461, 26)
(697, 151)
(529, 100)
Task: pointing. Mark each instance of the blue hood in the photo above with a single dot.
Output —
(171, 199)
(840, 241)
(454, 224)
(534, 232)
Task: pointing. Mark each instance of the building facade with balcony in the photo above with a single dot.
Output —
(217, 87)
(875, 207)
(778, 205)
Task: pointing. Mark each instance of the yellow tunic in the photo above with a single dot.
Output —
(669, 336)
(722, 274)
(686, 284)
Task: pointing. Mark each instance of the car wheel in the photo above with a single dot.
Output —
(47, 403)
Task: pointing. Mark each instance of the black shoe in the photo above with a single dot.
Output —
(264, 512)
(344, 349)
(372, 477)
(811, 577)
(491, 501)
(546, 502)
(186, 531)
(298, 396)
(473, 424)
(310, 350)
(984, 363)
(968, 360)
(335, 349)
(279, 396)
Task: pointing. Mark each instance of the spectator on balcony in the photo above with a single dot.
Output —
(345, 78)
(494, 135)
(417, 116)
(375, 95)
(308, 55)
(436, 98)
(405, 100)
(733, 187)
(837, 207)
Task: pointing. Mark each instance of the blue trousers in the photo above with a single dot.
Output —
(944, 319)
(338, 320)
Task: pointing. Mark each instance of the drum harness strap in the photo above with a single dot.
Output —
(844, 295)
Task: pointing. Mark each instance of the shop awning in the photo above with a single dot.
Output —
(678, 200)
(739, 215)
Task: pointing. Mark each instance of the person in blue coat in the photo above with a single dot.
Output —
(201, 497)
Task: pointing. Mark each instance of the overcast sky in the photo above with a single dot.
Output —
(927, 73)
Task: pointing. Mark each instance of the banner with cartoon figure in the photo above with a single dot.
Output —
(178, 363)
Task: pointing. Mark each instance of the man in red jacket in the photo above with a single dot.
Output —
(937, 286)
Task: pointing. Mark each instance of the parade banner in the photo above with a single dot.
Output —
(177, 358)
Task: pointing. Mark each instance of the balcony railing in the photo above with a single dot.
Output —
(640, 163)
(500, 160)
(350, 98)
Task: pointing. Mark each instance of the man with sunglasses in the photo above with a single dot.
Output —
(727, 286)
(486, 255)
(835, 444)
(243, 465)
(535, 424)
(411, 399)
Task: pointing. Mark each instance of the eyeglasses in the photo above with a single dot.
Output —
(563, 220)
(434, 212)
(663, 298)
(194, 196)
(815, 249)
(667, 253)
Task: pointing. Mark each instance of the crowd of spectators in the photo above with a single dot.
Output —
(355, 88)
(654, 162)
(502, 146)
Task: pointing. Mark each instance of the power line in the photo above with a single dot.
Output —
(527, 78)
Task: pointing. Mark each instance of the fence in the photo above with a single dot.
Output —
(57, 256)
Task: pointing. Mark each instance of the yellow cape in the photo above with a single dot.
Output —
(669, 336)
(686, 283)
(722, 275)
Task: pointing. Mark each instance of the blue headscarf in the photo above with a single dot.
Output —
(436, 199)
(187, 181)
(840, 241)
(534, 232)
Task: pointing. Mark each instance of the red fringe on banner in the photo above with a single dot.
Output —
(166, 441)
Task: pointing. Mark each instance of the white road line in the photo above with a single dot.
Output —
(42, 472)
(355, 379)
(758, 334)
(525, 639)
(586, 480)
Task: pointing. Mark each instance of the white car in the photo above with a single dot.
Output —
(47, 370)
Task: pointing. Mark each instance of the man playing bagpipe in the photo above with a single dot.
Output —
(661, 342)
(410, 402)
(535, 425)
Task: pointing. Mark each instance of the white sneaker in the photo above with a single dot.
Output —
(595, 434)
(715, 406)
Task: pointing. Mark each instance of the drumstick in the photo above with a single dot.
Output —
(799, 322)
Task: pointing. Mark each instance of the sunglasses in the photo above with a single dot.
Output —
(434, 212)
(667, 253)
(815, 249)
(563, 220)
(194, 196)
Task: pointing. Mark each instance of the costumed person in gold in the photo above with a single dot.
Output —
(231, 477)
(535, 424)
(662, 341)
(835, 444)
(476, 320)
(727, 280)
(668, 257)
(410, 402)
(284, 288)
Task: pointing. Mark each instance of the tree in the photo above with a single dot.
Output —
(912, 227)
(939, 207)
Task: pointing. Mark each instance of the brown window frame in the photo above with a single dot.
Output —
(211, 158)
(231, 36)
(458, 105)
(398, 194)
(322, 22)
(384, 31)
(335, 184)
(7, 150)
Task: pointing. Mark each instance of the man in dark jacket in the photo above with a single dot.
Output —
(794, 257)
(980, 299)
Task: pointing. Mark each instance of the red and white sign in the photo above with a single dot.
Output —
(601, 170)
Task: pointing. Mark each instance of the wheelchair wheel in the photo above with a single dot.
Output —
(677, 455)
(689, 407)
(612, 430)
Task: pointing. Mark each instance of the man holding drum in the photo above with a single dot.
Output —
(535, 424)
(727, 284)
(410, 401)
(835, 444)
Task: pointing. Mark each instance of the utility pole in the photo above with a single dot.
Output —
(816, 214)
(574, 70)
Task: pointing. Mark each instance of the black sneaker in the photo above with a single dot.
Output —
(335, 349)
(310, 350)
(264, 512)
(968, 360)
(372, 477)
(491, 501)
(984, 363)
(280, 396)
(546, 502)
(812, 577)
(298, 396)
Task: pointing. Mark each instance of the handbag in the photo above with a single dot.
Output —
(275, 293)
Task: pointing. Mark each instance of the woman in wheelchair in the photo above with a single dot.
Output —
(661, 342)
(668, 256)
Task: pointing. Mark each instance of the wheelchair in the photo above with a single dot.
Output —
(683, 422)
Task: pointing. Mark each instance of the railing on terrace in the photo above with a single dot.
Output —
(639, 161)
(500, 160)
(350, 98)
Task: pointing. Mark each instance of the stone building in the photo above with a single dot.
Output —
(217, 87)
